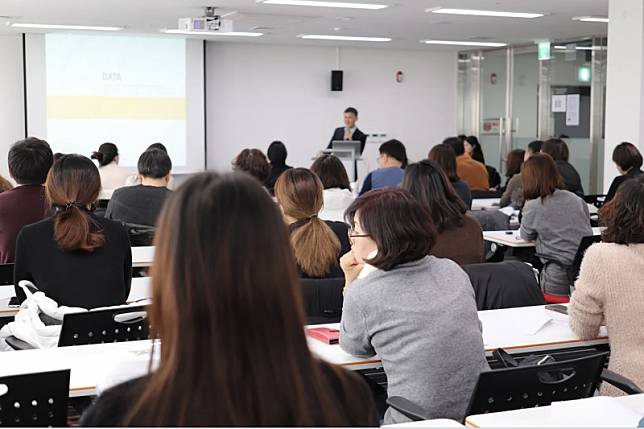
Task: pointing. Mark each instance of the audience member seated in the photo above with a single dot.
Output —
(609, 289)
(416, 312)
(112, 176)
(391, 163)
(556, 218)
(254, 163)
(443, 155)
(558, 150)
(459, 235)
(215, 317)
(474, 149)
(513, 192)
(317, 244)
(533, 147)
(469, 170)
(628, 160)
(74, 257)
(135, 179)
(141, 204)
(5, 185)
(29, 163)
(337, 188)
(277, 156)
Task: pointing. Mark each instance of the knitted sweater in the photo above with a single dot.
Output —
(609, 291)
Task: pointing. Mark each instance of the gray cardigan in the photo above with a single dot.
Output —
(421, 320)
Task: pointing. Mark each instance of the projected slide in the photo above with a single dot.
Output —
(130, 91)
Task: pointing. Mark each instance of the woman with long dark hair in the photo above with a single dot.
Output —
(474, 149)
(75, 257)
(337, 188)
(513, 192)
(444, 155)
(228, 313)
(459, 235)
(112, 176)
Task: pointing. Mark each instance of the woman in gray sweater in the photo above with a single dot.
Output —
(416, 312)
(557, 219)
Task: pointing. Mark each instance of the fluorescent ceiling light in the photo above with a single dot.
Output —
(213, 33)
(345, 38)
(590, 19)
(458, 43)
(64, 27)
(474, 12)
(579, 48)
(316, 3)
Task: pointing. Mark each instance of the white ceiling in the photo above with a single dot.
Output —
(406, 21)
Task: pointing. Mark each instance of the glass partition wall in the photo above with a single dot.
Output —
(508, 97)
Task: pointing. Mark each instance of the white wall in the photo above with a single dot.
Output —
(260, 93)
(12, 125)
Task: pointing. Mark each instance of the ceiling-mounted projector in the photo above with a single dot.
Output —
(208, 23)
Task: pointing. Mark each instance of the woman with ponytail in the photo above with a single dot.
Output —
(74, 257)
(112, 176)
(317, 244)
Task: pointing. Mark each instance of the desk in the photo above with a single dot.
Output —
(141, 289)
(506, 328)
(485, 203)
(513, 238)
(142, 256)
(598, 411)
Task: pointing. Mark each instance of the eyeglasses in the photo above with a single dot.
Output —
(352, 234)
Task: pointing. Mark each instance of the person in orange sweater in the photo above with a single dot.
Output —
(469, 170)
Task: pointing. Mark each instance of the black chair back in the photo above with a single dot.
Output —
(322, 300)
(585, 243)
(105, 326)
(536, 385)
(35, 400)
(6, 274)
(596, 199)
(140, 235)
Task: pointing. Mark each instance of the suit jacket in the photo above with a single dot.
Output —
(358, 135)
(20, 206)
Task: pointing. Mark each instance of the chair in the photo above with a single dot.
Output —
(597, 199)
(6, 274)
(32, 400)
(492, 220)
(530, 386)
(140, 235)
(322, 300)
(506, 284)
(111, 325)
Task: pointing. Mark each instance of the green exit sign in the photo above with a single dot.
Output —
(583, 74)
(543, 51)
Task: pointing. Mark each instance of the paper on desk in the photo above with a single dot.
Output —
(599, 411)
(508, 210)
(533, 323)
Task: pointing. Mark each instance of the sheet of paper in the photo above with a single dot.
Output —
(599, 411)
(558, 103)
(535, 322)
(572, 110)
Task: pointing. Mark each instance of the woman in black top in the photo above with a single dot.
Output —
(629, 164)
(234, 352)
(277, 156)
(317, 244)
(74, 257)
(558, 150)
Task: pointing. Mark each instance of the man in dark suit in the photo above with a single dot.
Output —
(29, 163)
(350, 131)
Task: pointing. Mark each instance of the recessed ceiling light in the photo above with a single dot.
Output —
(316, 3)
(590, 19)
(464, 43)
(64, 27)
(475, 12)
(344, 38)
(213, 33)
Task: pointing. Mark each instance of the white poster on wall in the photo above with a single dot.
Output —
(558, 103)
(572, 110)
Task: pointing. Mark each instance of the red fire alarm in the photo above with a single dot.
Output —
(400, 76)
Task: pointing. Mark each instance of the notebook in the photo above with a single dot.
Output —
(326, 335)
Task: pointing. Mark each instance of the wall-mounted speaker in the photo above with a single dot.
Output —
(337, 77)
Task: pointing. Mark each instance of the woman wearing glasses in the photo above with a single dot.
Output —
(416, 312)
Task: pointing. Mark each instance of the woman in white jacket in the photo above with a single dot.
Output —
(337, 189)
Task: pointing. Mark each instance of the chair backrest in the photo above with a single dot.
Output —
(536, 385)
(506, 284)
(585, 243)
(38, 399)
(111, 325)
(596, 199)
(6, 274)
(322, 300)
(140, 235)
